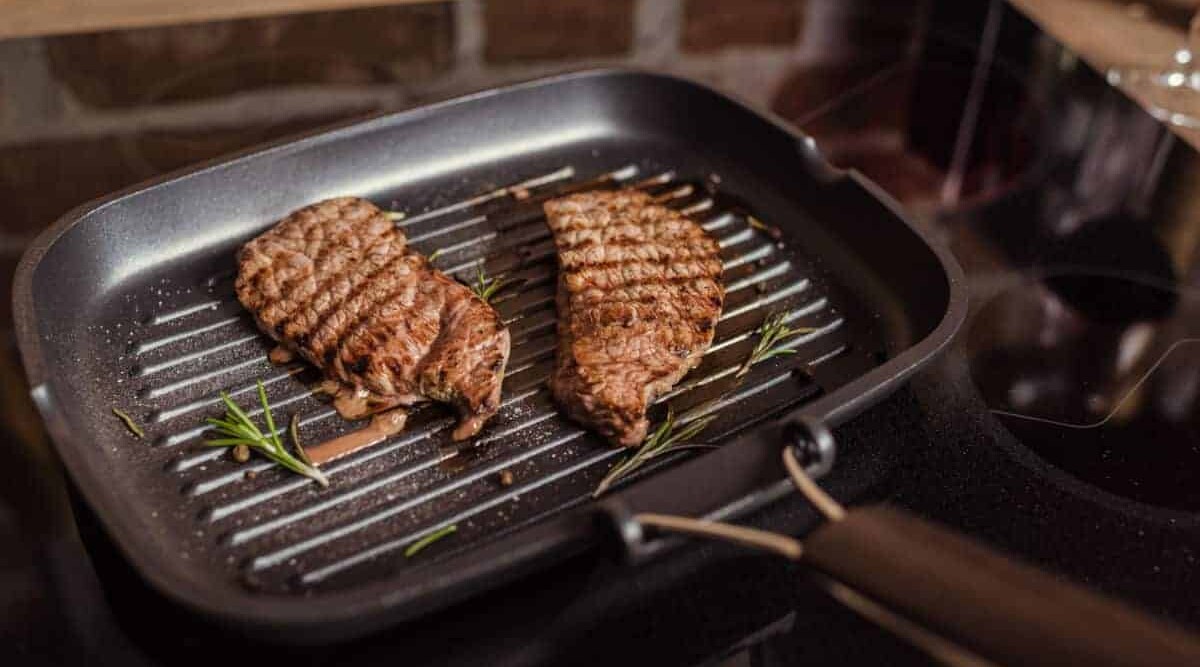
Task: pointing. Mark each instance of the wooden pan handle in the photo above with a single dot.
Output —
(992, 606)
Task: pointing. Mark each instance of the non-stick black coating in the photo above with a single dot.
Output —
(899, 290)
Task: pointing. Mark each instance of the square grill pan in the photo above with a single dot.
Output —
(128, 303)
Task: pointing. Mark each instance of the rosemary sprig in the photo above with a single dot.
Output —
(294, 430)
(416, 547)
(664, 439)
(761, 226)
(129, 423)
(773, 333)
(239, 429)
(484, 287)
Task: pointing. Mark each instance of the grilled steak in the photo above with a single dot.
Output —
(336, 283)
(639, 296)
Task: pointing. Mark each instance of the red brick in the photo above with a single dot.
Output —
(41, 181)
(519, 30)
(164, 150)
(142, 66)
(710, 25)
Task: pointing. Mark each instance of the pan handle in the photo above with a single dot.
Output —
(960, 601)
(882, 560)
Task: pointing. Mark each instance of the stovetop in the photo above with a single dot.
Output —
(1060, 427)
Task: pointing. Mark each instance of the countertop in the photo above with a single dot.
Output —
(1107, 33)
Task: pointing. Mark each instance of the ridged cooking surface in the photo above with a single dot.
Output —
(279, 532)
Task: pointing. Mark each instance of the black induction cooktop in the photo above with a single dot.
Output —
(1084, 340)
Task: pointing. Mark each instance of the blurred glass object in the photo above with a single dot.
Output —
(950, 126)
(1171, 90)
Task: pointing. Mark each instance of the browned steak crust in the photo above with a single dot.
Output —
(639, 296)
(336, 283)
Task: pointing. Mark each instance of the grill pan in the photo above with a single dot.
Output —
(127, 303)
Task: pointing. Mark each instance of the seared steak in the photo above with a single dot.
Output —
(639, 296)
(336, 283)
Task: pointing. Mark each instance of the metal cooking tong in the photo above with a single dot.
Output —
(950, 596)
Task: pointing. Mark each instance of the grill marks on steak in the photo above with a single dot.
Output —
(639, 296)
(336, 283)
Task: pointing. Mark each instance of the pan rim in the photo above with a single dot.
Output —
(255, 610)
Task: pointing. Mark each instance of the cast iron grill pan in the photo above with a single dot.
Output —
(128, 303)
(284, 532)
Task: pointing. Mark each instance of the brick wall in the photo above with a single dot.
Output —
(83, 115)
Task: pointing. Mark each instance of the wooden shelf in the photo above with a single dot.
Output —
(1104, 34)
(27, 18)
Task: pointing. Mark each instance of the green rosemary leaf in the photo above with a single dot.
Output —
(238, 418)
(226, 442)
(662, 440)
(294, 430)
(240, 430)
(234, 430)
(773, 336)
(484, 287)
(129, 423)
(690, 431)
(418, 546)
(776, 353)
(273, 435)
